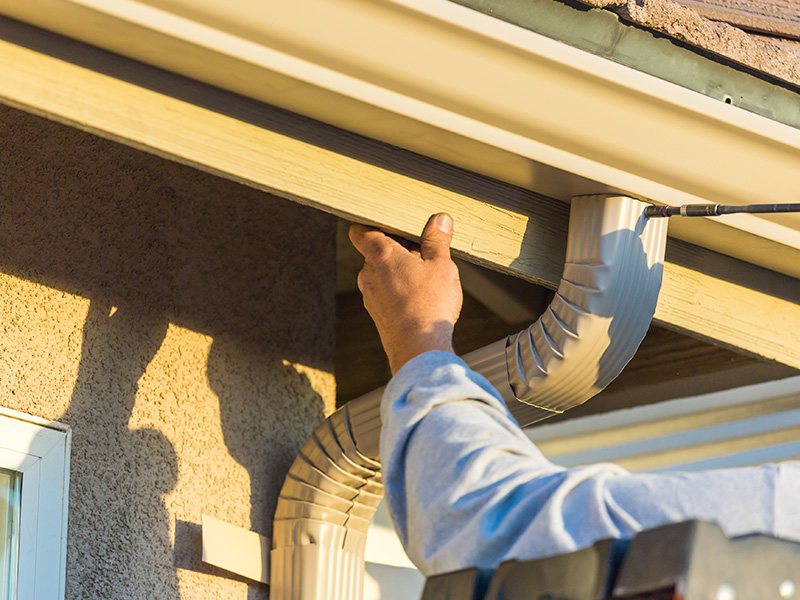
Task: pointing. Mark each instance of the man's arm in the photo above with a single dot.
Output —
(466, 487)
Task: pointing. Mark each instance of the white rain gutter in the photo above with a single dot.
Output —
(459, 86)
(593, 327)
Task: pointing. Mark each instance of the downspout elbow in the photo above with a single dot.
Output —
(590, 331)
(597, 319)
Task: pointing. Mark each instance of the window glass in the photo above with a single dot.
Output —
(10, 485)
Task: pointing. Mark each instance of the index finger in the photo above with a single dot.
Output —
(370, 241)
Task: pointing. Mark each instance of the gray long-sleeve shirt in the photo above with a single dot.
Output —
(466, 487)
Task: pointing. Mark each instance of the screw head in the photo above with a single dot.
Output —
(786, 589)
(726, 592)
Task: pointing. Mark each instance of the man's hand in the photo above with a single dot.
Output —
(413, 294)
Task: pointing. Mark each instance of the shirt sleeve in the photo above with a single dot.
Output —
(466, 487)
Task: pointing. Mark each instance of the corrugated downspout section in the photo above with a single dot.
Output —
(598, 318)
(325, 507)
(590, 331)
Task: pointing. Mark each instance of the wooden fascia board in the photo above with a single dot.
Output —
(450, 83)
(507, 228)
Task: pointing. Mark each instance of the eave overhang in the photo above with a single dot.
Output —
(459, 86)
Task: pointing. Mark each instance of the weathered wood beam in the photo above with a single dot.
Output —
(498, 225)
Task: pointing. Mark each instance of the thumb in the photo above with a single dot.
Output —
(436, 237)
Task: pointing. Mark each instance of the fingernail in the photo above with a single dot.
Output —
(444, 223)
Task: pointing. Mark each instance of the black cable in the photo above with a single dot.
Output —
(715, 210)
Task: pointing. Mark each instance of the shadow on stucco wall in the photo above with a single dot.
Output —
(157, 247)
(119, 475)
(253, 403)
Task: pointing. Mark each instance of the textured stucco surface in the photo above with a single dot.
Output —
(182, 325)
(685, 24)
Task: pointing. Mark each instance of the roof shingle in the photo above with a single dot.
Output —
(687, 25)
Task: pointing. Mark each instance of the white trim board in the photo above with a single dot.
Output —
(247, 553)
(235, 549)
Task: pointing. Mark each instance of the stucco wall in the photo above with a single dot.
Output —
(182, 325)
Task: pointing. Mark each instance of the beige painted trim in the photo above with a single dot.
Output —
(745, 426)
(739, 305)
(235, 549)
(610, 429)
(698, 452)
(474, 91)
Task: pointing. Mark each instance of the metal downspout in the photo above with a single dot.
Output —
(593, 327)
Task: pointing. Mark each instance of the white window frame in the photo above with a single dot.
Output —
(39, 449)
